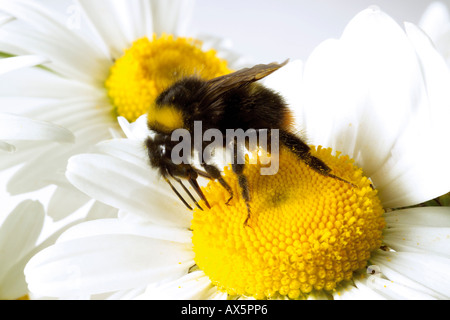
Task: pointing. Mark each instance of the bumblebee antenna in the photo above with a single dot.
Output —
(187, 191)
(178, 194)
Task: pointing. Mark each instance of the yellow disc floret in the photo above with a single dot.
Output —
(305, 232)
(150, 66)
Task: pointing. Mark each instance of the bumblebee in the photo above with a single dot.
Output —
(232, 101)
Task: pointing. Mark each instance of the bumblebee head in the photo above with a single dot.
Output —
(169, 111)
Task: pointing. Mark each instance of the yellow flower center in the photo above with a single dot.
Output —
(305, 232)
(149, 67)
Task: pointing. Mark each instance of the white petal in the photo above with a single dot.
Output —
(65, 201)
(7, 147)
(411, 176)
(426, 273)
(64, 60)
(136, 130)
(123, 22)
(429, 130)
(28, 179)
(107, 25)
(126, 186)
(423, 230)
(14, 286)
(18, 236)
(27, 150)
(75, 113)
(287, 81)
(36, 82)
(323, 71)
(14, 127)
(368, 76)
(193, 286)
(357, 292)
(390, 289)
(120, 295)
(118, 226)
(9, 64)
(436, 21)
(421, 216)
(52, 162)
(418, 239)
(44, 32)
(100, 210)
(105, 263)
(132, 151)
(4, 19)
(366, 95)
(171, 16)
(20, 230)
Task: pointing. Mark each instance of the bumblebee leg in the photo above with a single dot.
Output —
(238, 169)
(302, 150)
(197, 189)
(202, 173)
(214, 173)
(243, 183)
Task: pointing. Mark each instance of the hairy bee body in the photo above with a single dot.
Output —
(233, 101)
(248, 107)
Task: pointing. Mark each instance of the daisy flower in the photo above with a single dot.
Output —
(88, 69)
(377, 94)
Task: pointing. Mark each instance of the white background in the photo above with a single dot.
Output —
(273, 30)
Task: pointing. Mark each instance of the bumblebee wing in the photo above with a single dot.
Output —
(222, 84)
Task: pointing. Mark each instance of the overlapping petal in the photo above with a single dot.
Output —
(40, 30)
(193, 286)
(379, 95)
(77, 267)
(435, 21)
(19, 233)
(124, 21)
(14, 63)
(127, 186)
(16, 128)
